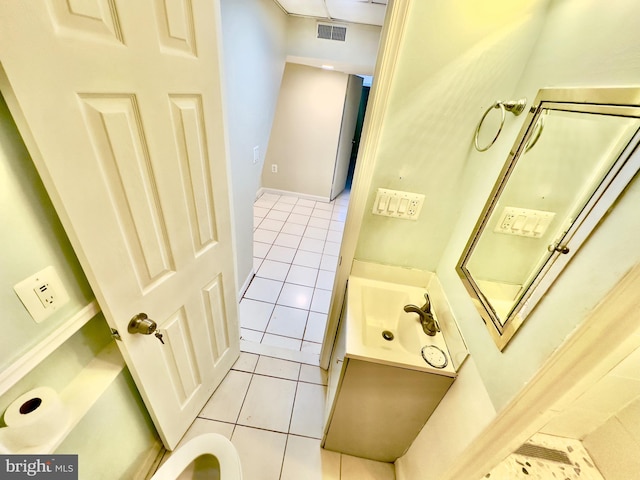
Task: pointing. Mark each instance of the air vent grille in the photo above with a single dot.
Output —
(332, 32)
(537, 451)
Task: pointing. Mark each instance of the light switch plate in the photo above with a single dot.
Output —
(524, 222)
(42, 294)
(397, 204)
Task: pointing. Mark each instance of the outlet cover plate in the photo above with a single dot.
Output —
(42, 294)
(397, 204)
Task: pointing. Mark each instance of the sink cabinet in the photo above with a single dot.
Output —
(374, 410)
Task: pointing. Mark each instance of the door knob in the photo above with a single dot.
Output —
(558, 248)
(141, 323)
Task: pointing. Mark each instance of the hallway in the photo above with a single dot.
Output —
(296, 248)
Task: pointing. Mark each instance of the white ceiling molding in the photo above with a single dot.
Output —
(368, 12)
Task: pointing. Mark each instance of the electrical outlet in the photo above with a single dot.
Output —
(46, 294)
(274, 168)
(42, 294)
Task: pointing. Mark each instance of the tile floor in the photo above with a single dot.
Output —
(296, 247)
(272, 411)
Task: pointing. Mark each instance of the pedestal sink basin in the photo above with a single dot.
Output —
(378, 329)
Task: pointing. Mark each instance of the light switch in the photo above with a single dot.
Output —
(524, 222)
(519, 222)
(382, 203)
(397, 204)
(530, 224)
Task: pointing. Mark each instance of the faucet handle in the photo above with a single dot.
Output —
(427, 306)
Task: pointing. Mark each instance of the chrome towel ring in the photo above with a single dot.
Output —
(515, 107)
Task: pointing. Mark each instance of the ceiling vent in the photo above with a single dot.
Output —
(332, 32)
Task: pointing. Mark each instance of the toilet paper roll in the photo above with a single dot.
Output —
(36, 418)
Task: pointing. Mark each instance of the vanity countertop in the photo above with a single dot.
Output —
(375, 307)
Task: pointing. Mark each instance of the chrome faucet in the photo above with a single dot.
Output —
(427, 320)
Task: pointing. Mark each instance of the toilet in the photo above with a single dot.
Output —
(210, 456)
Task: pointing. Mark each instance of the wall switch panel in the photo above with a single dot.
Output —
(393, 203)
(42, 294)
(524, 222)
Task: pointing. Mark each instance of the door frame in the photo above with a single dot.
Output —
(390, 43)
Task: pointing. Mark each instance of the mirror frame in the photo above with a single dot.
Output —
(621, 101)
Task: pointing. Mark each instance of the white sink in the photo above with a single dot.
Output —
(374, 307)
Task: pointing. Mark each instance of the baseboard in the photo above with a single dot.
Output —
(275, 191)
(246, 283)
(150, 461)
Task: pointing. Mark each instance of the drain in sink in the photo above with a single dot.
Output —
(387, 335)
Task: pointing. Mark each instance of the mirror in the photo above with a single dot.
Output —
(573, 157)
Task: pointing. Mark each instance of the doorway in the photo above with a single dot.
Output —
(364, 99)
(298, 237)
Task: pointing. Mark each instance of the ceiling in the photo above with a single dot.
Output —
(370, 12)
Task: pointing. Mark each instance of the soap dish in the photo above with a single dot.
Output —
(434, 356)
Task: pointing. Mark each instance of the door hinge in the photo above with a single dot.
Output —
(115, 334)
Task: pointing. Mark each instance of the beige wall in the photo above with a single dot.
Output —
(306, 130)
(566, 54)
(601, 404)
(32, 238)
(253, 38)
(615, 445)
(436, 101)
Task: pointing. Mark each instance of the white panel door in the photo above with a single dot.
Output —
(120, 104)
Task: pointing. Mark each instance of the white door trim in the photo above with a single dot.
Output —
(390, 43)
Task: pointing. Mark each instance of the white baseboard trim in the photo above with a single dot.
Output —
(246, 283)
(317, 198)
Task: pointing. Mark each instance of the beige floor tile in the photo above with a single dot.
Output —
(308, 410)
(225, 403)
(202, 425)
(261, 452)
(354, 468)
(305, 460)
(275, 367)
(313, 374)
(311, 347)
(246, 362)
(281, 342)
(268, 404)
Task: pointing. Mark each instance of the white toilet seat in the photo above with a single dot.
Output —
(206, 444)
